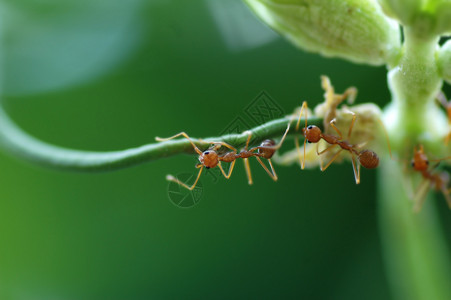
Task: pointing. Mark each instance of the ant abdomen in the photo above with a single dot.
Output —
(209, 159)
(267, 152)
(368, 159)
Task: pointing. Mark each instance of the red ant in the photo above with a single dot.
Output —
(313, 134)
(439, 181)
(210, 158)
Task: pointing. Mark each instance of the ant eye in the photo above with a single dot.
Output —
(427, 162)
(310, 127)
(207, 152)
(413, 164)
(309, 142)
(207, 167)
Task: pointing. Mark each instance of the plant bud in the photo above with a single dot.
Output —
(356, 30)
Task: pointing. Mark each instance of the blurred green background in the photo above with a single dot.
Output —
(107, 75)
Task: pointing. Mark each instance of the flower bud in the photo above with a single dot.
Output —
(356, 30)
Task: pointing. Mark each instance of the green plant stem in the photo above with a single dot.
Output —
(416, 254)
(19, 143)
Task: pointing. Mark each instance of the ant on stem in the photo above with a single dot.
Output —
(439, 181)
(313, 134)
(210, 158)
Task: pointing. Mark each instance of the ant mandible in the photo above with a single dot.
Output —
(439, 181)
(313, 134)
(210, 158)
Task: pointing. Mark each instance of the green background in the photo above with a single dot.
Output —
(172, 68)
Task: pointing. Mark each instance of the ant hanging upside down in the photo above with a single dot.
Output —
(438, 180)
(313, 134)
(211, 158)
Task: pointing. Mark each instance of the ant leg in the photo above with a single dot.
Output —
(386, 136)
(352, 122)
(218, 143)
(158, 139)
(420, 195)
(249, 135)
(227, 176)
(325, 150)
(296, 140)
(271, 173)
(303, 107)
(332, 123)
(283, 137)
(172, 178)
(296, 143)
(406, 180)
(331, 161)
(275, 147)
(285, 134)
(355, 169)
(447, 196)
(247, 167)
(246, 160)
(248, 171)
(440, 159)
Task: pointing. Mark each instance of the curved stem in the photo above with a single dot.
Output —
(19, 143)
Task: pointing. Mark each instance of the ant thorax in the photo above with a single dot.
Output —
(228, 157)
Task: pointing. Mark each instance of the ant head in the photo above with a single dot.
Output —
(368, 159)
(420, 161)
(312, 133)
(209, 159)
(267, 152)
